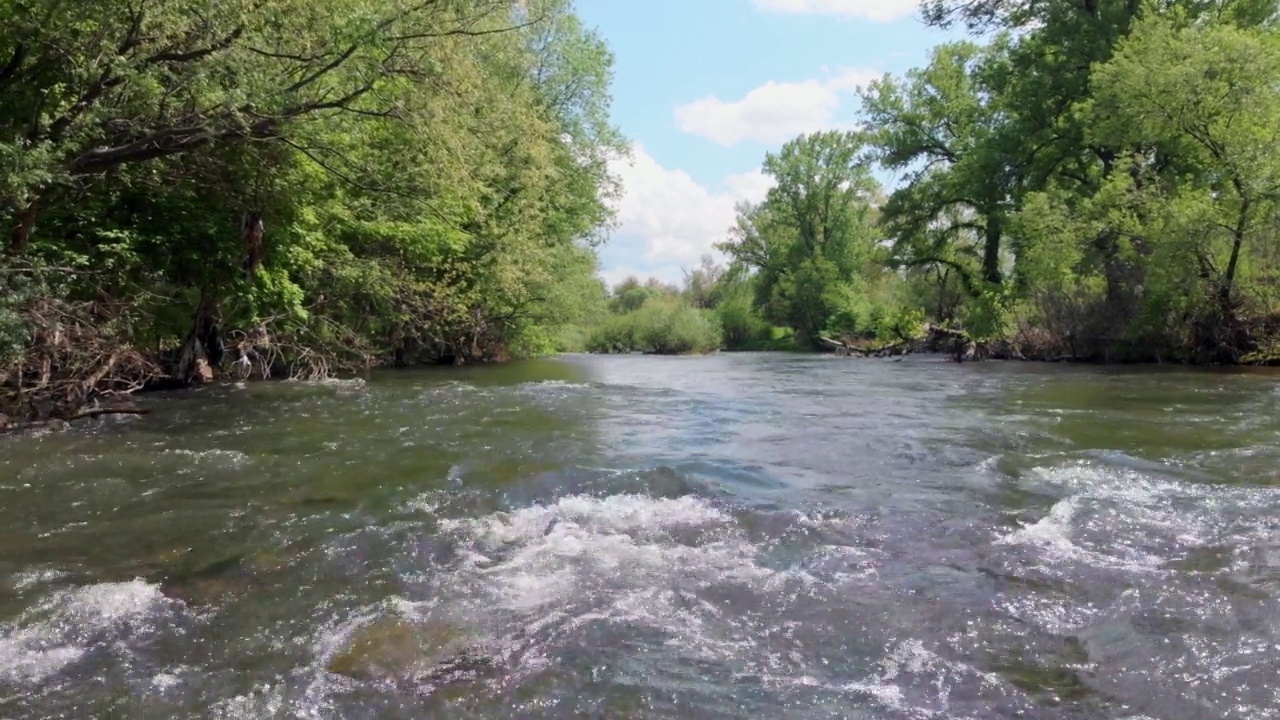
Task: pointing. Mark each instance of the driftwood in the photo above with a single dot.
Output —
(843, 349)
(100, 411)
(833, 344)
(8, 426)
(934, 330)
(932, 338)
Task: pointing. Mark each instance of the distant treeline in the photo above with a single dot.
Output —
(1099, 181)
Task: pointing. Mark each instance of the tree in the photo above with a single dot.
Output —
(944, 126)
(1207, 96)
(315, 187)
(822, 190)
(812, 239)
(91, 86)
(701, 284)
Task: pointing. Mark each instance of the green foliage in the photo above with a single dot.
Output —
(431, 178)
(810, 246)
(942, 125)
(430, 181)
(1205, 95)
(742, 325)
(17, 289)
(988, 316)
(630, 295)
(663, 326)
(1098, 180)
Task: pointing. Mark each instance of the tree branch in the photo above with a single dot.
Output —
(465, 32)
(324, 70)
(181, 57)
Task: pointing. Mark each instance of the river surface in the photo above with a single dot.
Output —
(737, 536)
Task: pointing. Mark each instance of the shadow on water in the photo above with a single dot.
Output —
(756, 535)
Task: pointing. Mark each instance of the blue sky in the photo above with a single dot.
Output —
(704, 88)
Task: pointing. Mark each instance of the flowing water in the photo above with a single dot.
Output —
(738, 536)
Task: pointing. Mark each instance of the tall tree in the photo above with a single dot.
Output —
(812, 238)
(944, 126)
(87, 87)
(1207, 96)
(316, 185)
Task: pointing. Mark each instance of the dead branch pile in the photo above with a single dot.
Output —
(70, 354)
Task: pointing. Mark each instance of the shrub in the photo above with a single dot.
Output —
(663, 326)
(741, 325)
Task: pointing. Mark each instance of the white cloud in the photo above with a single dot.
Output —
(851, 79)
(675, 219)
(774, 112)
(874, 10)
(752, 185)
(770, 113)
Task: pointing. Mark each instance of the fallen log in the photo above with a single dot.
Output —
(901, 348)
(931, 329)
(100, 411)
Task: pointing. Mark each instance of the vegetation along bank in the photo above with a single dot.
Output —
(1098, 181)
(202, 188)
(292, 187)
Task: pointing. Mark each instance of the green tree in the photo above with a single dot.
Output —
(943, 125)
(1206, 96)
(314, 187)
(702, 283)
(811, 242)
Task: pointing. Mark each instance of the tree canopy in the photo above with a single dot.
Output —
(294, 187)
(1095, 180)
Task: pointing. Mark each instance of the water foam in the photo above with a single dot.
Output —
(1128, 520)
(233, 458)
(263, 702)
(1173, 550)
(628, 547)
(66, 625)
(677, 570)
(556, 384)
(30, 578)
(912, 682)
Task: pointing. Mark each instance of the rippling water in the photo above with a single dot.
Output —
(739, 536)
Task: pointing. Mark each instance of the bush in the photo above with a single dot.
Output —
(663, 326)
(615, 334)
(742, 326)
(899, 324)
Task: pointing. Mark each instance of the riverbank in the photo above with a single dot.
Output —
(363, 199)
(1035, 347)
(113, 387)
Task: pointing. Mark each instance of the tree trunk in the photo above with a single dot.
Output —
(203, 350)
(20, 233)
(991, 251)
(1237, 242)
(251, 232)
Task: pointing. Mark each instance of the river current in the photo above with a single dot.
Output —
(737, 536)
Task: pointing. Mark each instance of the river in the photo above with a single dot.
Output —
(737, 536)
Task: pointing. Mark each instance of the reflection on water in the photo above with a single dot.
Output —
(771, 536)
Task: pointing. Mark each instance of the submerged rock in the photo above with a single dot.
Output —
(206, 583)
(403, 651)
(206, 577)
